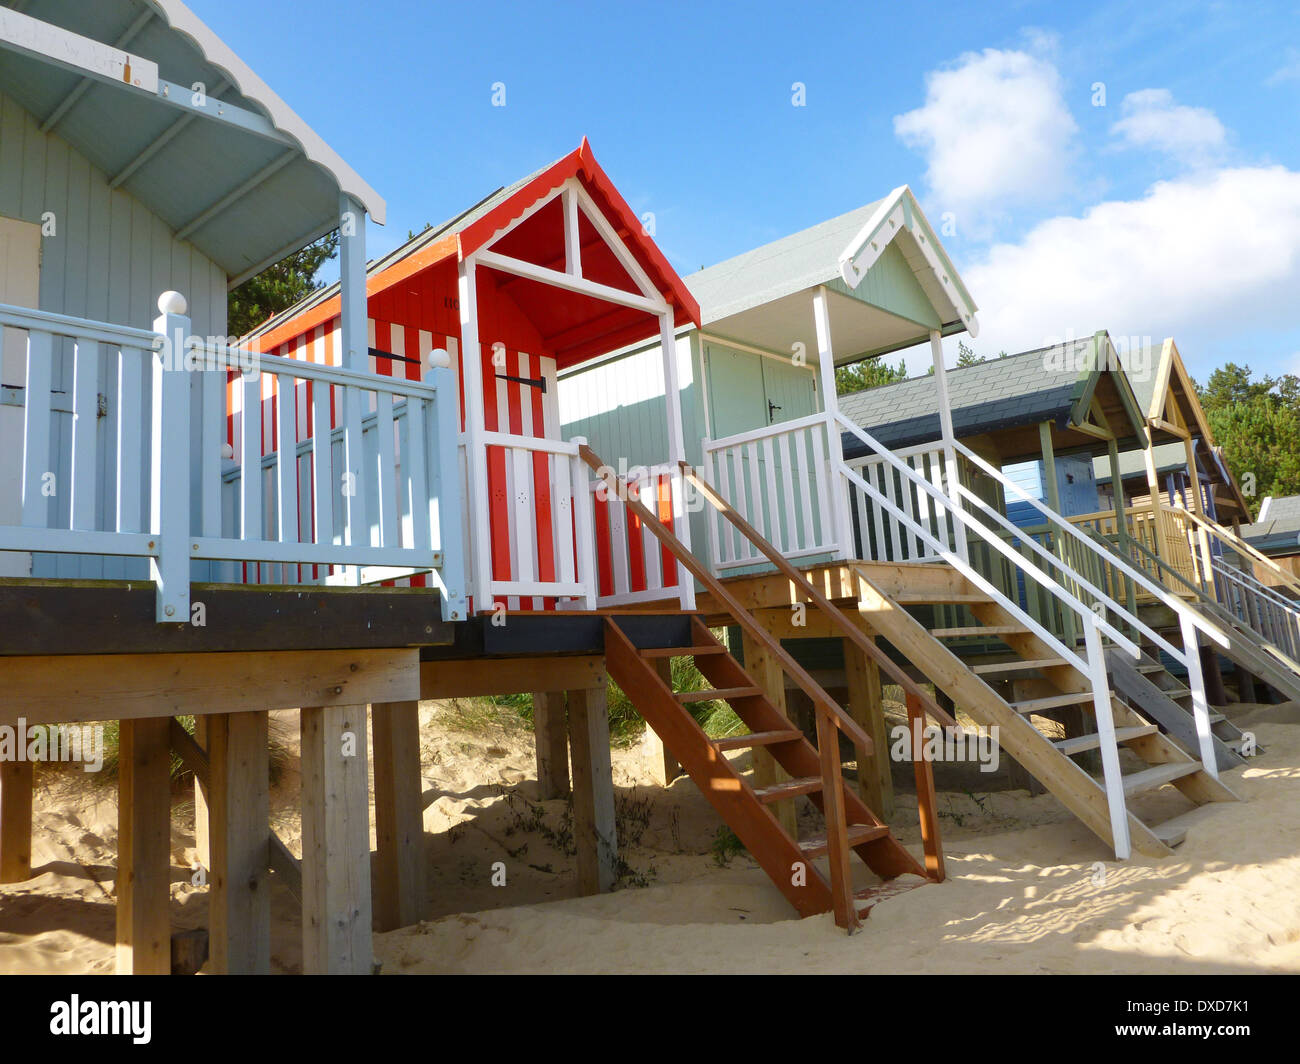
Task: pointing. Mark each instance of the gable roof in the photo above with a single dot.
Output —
(772, 271)
(838, 252)
(477, 227)
(245, 186)
(1047, 384)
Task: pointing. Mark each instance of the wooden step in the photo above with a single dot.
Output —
(815, 845)
(1170, 834)
(1038, 705)
(718, 694)
(937, 598)
(683, 652)
(1158, 775)
(762, 738)
(788, 789)
(1150, 668)
(978, 630)
(1018, 666)
(1081, 743)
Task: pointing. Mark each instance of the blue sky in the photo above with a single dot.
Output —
(1172, 209)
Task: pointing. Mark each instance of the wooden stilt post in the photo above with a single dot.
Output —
(399, 889)
(875, 781)
(336, 917)
(202, 843)
(551, 737)
(662, 764)
(1215, 693)
(15, 821)
(1245, 685)
(593, 791)
(239, 893)
(143, 847)
(768, 675)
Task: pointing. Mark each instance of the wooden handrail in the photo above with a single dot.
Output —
(849, 630)
(820, 699)
(1240, 545)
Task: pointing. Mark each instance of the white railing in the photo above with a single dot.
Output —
(780, 480)
(634, 567)
(324, 495)
(52, 497)
(1092, 617)
(1275, 618)
(881, 536)
(540, 545)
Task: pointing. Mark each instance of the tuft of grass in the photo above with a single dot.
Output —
(726, 846)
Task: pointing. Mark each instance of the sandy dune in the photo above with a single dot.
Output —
(1029, 889)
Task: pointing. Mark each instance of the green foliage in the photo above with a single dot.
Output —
(1257, 423)
(279, 287)
(869, 373)
(625, 723)
(726, 845)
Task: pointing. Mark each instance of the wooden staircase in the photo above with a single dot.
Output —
(1162, 697)
(850, 826)
(1050, 684)
(788, 861)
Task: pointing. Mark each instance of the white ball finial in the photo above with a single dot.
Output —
(172, 303)
(439, 359)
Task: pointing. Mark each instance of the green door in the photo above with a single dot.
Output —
(748, 391)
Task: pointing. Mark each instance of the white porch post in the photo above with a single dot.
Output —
(476, 493)
(354, 355)
(839, 500)
(676, 450)
(945, 429)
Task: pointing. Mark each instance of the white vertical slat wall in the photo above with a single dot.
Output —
(109, 260)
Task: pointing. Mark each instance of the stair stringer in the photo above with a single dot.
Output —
(1158, 706)
(1073, 787)
(1157, 749)
(1248, 649)
(753, 823)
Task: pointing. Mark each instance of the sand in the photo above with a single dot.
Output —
(1028, 890)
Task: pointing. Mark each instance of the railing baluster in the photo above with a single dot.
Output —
(286, 460)
(36, 429)
(130, 439)
(85, 426)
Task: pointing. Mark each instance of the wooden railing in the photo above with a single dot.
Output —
(326, 500)
(831, 718)
(1163, 531)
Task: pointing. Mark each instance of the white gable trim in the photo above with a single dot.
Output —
(899, 212)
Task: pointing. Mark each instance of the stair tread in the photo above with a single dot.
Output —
(1158, 775)
(937, 598)
(815, 845)
(1080, 743)
(718, 694)
(1015, 666)
(1052, 702)
(790, 788)
(977, 630)
(763, 738)
(683, 652)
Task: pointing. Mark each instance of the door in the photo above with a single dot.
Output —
(750, 391)
(20, 265)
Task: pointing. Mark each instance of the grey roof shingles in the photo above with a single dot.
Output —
(1017, 390)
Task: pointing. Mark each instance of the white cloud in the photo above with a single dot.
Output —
(994, 128)
(1215, 254)
(1151, 119)
(1289, 70)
